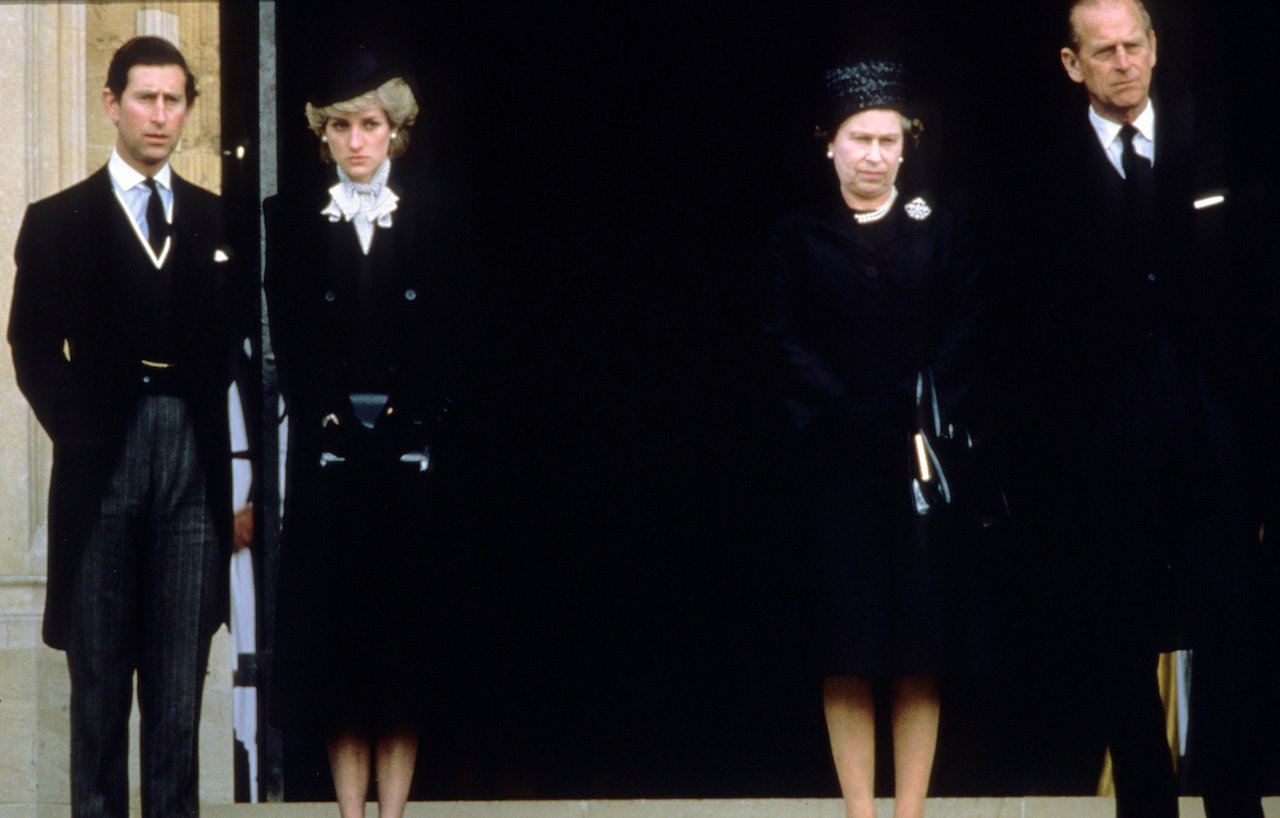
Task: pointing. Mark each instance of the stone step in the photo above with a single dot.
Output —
(721, 808)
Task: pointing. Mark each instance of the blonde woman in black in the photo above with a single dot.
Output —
(351, 275)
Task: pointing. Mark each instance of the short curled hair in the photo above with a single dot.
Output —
(911, 128)
(394, 96)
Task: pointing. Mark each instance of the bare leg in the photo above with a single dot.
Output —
(851, 728)
(349, 762)
(396, 753)
(915, 737)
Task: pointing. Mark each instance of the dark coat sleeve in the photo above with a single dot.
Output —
(957, 320)
(283, 318)
(37, 326)
(811, 386)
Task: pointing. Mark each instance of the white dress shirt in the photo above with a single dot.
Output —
(132, 193)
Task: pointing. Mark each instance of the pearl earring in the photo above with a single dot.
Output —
(324, 139)
(831, 154)
(901, 159)
(394, 134)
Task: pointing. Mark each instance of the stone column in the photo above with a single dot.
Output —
(43, 46)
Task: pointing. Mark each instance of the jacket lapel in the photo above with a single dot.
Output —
(192, 275)
(106, 223)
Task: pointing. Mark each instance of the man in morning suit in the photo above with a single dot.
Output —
(120, 332)
(1148, 512)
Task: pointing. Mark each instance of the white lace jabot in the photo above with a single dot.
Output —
(363, 205)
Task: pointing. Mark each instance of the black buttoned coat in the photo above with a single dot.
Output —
(77, 360)
(360, 541)
(854, 321)
(857, 312)
(311, 285)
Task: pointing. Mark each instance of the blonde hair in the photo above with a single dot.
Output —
(394, 97)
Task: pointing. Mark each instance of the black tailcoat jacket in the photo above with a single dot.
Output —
(77, 358)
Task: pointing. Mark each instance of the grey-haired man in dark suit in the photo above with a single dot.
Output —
(1149, 520)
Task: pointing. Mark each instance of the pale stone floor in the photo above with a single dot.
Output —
(727, 808)
(740, 808)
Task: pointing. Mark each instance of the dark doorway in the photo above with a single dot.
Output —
(630, 598)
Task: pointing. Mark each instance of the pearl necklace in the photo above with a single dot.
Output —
(880, 212)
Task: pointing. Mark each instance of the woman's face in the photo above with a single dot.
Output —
(359, 141)
(866, 151)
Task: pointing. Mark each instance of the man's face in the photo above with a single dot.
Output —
(1113, 59)
(148, 115)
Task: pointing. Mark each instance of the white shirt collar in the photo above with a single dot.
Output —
(1108, 132)
(126, 176)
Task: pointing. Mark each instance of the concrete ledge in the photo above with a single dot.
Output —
(721, 808)
(713, 808)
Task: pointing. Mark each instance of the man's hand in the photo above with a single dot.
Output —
(242, 529)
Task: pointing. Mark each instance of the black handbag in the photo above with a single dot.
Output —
(950, 471)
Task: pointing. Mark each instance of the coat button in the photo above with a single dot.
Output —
(393, 368)
(410, 294)
(146, 379)
(1151, 276)
(872, 272)
(330, 295)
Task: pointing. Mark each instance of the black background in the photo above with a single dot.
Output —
(624, 605)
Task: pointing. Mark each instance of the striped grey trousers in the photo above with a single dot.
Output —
(144, 580)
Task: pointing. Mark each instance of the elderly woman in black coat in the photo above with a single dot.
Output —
(870, 290)
(356, 324)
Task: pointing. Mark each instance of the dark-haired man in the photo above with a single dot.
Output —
(120, 332)
(1148, 510)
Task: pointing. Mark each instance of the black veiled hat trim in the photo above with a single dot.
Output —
(860, 86)
(349, 74)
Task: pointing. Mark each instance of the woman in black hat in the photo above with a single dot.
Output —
(870, 289)
(357, 326)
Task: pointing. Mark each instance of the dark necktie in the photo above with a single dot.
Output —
(1138, 211)
(157, 227)
(1137, 168)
